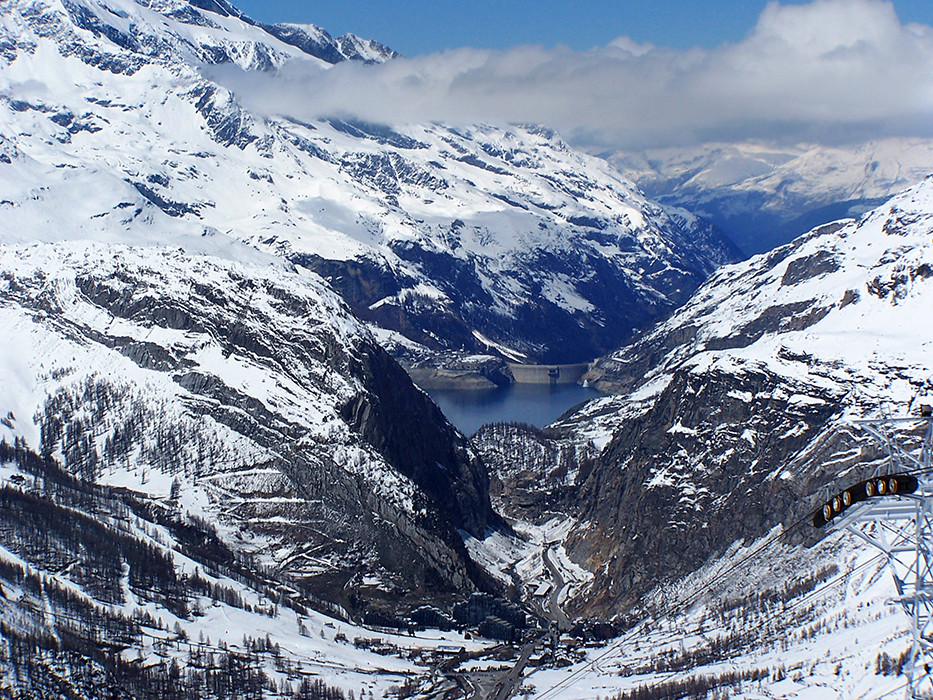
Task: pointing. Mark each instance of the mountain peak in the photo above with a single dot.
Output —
(315, 41)
(220, 7)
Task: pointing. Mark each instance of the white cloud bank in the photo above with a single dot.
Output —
(828, 71)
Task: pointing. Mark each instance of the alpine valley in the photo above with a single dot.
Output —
(688, 492)
(218, 481)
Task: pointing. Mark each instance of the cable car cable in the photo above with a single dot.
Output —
(673, 674)
(680, 606)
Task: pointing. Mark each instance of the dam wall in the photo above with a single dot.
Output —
(548, 374)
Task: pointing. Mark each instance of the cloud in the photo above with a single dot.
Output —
(827, 71)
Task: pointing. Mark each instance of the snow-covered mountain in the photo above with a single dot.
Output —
(251, 393)
(199, 440)
(199, 436)
(764, 195)
(315, 41)
(732, 412)
(728, 417)
(474, 237)
(863, 280)
(729, 421)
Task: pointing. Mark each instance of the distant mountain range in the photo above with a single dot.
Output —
(214, 475)
(764, 195)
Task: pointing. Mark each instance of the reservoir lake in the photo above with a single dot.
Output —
(537, 404)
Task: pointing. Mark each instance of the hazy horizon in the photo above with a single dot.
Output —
(829, 71)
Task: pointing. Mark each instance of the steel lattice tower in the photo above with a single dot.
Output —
(901, 526)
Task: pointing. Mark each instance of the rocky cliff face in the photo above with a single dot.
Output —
(535, 473)
(471, 238)
(253, 389)
(718, 456)
(405, 426)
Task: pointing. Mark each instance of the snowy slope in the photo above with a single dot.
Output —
(195, 455)
(764, 195)
(140, 119)
(849, 292)
(104, 592)
(793, 624)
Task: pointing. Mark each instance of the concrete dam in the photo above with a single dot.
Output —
(548, 374)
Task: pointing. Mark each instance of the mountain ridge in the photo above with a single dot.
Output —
(265, 400)
(727, 415)
(765, 195)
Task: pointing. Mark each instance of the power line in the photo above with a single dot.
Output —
(680, 606)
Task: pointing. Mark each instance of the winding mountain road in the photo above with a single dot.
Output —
(555, 612)
(492, 685)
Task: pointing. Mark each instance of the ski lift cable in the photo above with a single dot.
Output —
(685, 603)
(806, 597)
(776, 634)
(680, 606)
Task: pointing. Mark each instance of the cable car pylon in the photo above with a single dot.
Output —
(893, 511)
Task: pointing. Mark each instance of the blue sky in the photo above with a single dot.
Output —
(426, 27)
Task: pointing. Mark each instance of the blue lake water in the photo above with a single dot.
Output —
(537, 404)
